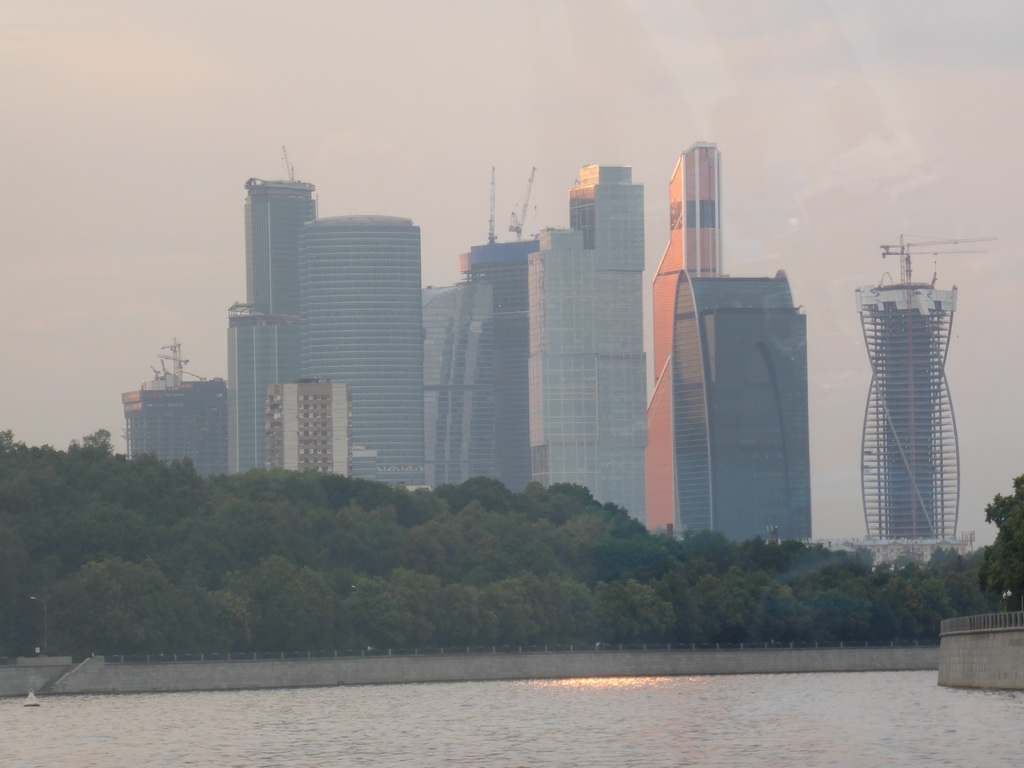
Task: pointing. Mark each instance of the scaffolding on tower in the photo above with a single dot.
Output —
(910, 470)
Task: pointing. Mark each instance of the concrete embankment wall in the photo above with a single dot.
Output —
(31, 674)
(985, 651)
(95, 675)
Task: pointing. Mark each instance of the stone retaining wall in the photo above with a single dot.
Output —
(95, 675)
(985, 651)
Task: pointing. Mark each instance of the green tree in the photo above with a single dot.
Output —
(1002, 570)
(631, 612)
(293, 608)
(113, 606)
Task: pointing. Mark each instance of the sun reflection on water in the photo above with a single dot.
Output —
(592, 683)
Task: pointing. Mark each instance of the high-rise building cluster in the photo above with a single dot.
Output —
(533, 368)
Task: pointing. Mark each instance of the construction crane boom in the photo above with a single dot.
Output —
(490, 229)
(517, 221)
(904, 249)
(289, 169)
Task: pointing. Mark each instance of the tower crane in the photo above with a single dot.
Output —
(288, 167)
(175, 357)
(178, 363)
(904, 249)
(517, 221)
(490, 230)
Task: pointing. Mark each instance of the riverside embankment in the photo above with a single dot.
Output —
(99, 675)
(983, 651)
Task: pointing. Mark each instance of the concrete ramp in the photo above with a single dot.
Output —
(59, 682)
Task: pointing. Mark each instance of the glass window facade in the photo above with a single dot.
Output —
(262, 350)
(740, 418)
(503, 266)
(458, 383)
(274, 214)
(185, 420)
(263, 333)
(361, 322)
(695, 239)
(587, 364)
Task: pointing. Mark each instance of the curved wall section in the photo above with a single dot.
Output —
(985, 651)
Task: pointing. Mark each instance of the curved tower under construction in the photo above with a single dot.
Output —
(910, 471)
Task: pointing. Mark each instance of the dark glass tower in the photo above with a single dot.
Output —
(361, 322)
(458, 383)
(503, 266)
(263, 332)
(175, 419)
(739, 405)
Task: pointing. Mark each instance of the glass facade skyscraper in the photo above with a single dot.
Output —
(587, 365)
(739, 408)
(175, 419)
(361, 323)
(727, 426)
(503, 266)
(262, 350)
(458, 383)
(263, 331)
(694, 247)
(274, 214)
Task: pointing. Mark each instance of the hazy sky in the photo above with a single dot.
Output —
(129, 128)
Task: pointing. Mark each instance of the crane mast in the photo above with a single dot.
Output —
(289, 169)
(490, 230)
(517, 221)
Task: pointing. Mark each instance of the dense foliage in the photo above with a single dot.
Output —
(142, 557)
(1002, 570)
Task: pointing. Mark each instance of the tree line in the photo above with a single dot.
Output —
(130, 557)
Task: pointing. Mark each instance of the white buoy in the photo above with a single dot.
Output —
(30, 700)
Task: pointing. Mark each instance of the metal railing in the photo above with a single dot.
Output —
(984, 622)
(155, 658)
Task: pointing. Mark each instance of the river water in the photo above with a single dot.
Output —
(842, 719)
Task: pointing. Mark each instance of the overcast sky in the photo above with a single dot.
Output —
(129, 128)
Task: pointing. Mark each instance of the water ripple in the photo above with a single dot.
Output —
(851, 719)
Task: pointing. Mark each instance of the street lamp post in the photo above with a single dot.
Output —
(41, 600)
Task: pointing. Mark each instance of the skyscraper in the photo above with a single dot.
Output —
(910, 476)
(694, 247)
(458, 383)
(727, 426)
(587, 364)
(503, 266)
(740, 446)
(263, 335)
(172, 418)
(361, 323)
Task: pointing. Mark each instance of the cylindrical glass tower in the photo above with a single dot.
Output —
(361, 323)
